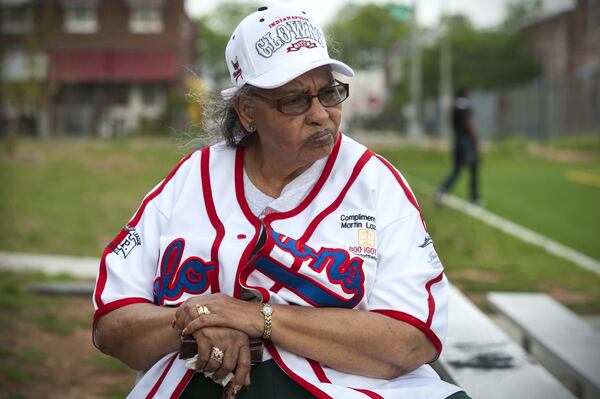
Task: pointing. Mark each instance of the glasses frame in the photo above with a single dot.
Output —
(309, 98)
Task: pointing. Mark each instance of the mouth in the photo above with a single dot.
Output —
(322, 137)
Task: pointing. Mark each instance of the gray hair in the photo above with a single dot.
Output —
(220, 120)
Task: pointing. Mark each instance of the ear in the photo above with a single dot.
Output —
(246, 112)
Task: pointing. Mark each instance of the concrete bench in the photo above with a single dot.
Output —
(63, 288)
(566, 344)
(486, 363)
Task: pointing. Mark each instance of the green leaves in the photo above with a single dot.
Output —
(213, 34)
(481, 58)
(365, 33)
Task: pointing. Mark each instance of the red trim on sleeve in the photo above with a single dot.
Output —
(430, 298)
(405, 188)
(303, 383)
(413, 321)
(212, 216)
(161, 378)
(109, 307)
(101, 282)
(187, 377)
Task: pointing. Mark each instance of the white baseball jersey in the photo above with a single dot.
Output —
(356, 241)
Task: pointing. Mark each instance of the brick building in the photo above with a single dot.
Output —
(567, 43)
(92, 66)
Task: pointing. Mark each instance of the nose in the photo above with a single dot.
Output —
(317, 113)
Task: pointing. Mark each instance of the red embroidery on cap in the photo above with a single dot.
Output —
(237, 71)
(301, 43)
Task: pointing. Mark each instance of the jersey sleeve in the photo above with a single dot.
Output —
(129, 262)
(410, 284)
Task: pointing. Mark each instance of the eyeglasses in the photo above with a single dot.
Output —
(297, 104)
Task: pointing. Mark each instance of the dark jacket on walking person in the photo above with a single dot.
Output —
(465, 149)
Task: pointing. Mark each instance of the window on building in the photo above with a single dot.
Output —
(17, 20)
(18, 65)
(146, 19)
(149, 95)
(81, 19)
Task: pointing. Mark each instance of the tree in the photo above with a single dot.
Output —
(519, 12)
(214, 30)
(365, 34)
(481, 58)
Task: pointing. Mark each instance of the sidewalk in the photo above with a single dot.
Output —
(82, 267)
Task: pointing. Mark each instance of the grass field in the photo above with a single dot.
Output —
(72, 197)
(557, 198)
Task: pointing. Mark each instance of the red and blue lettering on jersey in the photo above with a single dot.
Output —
(176, 277)
(323, 277)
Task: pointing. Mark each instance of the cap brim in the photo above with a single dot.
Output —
(286, 73)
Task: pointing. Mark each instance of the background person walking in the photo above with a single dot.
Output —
(466, 147)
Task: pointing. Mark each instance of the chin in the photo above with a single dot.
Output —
(323, 151)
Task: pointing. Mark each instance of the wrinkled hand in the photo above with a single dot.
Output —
(227, 327)
(225, 311)
(236, 359)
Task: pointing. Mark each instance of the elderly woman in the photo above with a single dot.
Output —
(323, 232)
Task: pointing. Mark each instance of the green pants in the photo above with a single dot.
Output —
(268, 382)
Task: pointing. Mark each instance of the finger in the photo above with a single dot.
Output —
(228, 365)
(183, 316)
(231, 391)
(202, 322)
(242, 370)
(204, 348)
(212, 364)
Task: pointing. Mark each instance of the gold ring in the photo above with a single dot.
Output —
(202, 310)
(216, 354)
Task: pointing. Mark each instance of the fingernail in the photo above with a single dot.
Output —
(236, 389)
(184, 331)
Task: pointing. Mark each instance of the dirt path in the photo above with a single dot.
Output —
(46, 352)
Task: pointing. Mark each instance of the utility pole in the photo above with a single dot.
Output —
(445, 83)
(415, 127)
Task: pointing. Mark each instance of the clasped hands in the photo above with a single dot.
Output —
(222, 326)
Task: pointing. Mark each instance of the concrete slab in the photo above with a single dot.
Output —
(82, 267)
(482, 359)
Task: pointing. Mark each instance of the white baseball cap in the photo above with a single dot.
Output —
(275, 45)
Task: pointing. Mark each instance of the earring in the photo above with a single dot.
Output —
(251, 126)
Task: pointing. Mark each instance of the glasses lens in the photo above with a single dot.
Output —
(328, 97)
(294, 105)
(333, 95)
